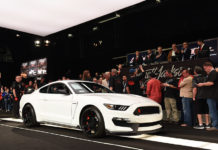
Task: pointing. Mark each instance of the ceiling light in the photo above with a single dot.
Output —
(37, 43)
(44, 17)
(95, 28)
(47, 42)
(109, 19)
(70, 35)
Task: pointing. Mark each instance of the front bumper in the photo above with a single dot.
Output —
(157, 130)
(125, 122)
(138, 128)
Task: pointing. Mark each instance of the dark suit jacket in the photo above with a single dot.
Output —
(171, 58)
(150, 60)
(186, 55)
(138, 61)
(161, 58)
(205, 52)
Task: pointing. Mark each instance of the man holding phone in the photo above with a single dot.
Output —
(211, 89)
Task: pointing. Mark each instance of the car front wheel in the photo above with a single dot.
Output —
(29, 117)
(92, 122)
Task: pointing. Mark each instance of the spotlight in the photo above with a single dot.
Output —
(37, 43)
(95, 28)
(17, 35)
(47, 42)
(70, 35)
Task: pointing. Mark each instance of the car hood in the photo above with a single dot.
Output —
(118, 99)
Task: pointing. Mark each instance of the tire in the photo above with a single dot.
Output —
(92, 122)
(29, 117)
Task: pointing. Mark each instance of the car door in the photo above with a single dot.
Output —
(57, 106)
(42, 98)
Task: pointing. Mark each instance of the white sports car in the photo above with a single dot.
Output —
(92, 107)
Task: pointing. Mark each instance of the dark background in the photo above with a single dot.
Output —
(143, 26)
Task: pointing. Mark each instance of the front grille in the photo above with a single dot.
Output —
(147, 110)
(126, 124)
(149, 124)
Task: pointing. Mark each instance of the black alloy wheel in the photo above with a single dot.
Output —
(92, 122)
(29, 117)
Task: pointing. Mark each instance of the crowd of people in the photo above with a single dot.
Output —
(6, 98)
(10, 96)
(174, 54)
(196, 89)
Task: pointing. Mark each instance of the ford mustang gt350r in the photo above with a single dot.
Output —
(92, 107)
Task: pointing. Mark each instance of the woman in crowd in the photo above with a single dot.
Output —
(86, 75)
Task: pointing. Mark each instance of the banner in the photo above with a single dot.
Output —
(175, 67)
(34, 68)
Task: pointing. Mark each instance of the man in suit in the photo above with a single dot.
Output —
(174, 54)
(149, 57)
(203, 50)
(137, 59)
(160, 56)
(185, 52)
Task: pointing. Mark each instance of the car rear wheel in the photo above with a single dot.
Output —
(92, 122)
(29, 117)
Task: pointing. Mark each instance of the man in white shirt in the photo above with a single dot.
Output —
(105, 82)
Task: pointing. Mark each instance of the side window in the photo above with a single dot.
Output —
(44, 90)
(58, 88)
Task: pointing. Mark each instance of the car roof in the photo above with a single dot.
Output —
(67, 81)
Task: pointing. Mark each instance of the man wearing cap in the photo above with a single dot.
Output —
(133, 82)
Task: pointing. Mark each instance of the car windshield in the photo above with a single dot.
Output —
(88, 87)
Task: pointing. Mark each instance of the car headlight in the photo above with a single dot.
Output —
(116, 107)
